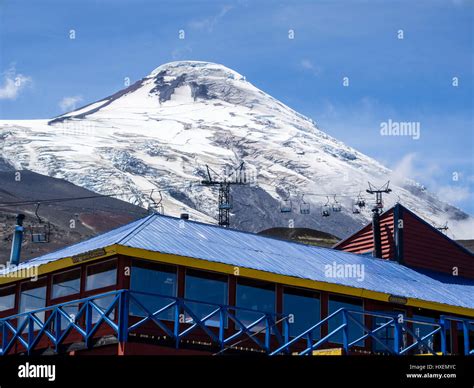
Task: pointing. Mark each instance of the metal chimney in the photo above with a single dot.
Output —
(376, 232)
(17, 240)
(376, 210)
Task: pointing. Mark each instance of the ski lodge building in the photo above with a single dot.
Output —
(164, 285)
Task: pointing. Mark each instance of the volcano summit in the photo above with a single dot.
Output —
(161, 132)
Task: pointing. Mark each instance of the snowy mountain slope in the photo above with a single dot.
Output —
(160, 132)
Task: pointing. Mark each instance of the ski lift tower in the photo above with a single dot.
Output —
(225, 198)
(376, 211)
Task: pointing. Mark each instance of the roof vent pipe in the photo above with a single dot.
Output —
(17, 240)
(184, 216)
(376, 232)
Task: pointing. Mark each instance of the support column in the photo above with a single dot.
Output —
(324, 312)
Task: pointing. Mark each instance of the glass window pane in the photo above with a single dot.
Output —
(305, 309)
(33, 297)
(71, 310)
(159, 280)
(7, 298)
(66, 283)
(103, 303)
(254, 297)
(205, 287)
(354, 330)
(101, 275)
(422, 329)
(385, 335)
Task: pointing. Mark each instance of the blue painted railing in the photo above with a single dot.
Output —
(28, 328)
(467, 326)
(177, 319)
(124, 312)
(401, 327)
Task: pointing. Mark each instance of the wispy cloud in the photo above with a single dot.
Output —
(13, 84)
(182, 53)
(69, 103)
(209, 23)
(407, 169)
(308, 65)
(451, 191)
(454, 194)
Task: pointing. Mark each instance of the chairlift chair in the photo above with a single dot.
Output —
(360, 201)
(304, 206)
(41, 232)
(286, 206)
(355, 208)
(326, 209)
(336, 206)
(156, 207)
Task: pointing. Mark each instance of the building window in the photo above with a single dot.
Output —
(7, 298)
(425, 326)
(385, 335)
(254, 296)
(103, 303)
(304, 309)
(66, 283)
(71, 310)
(335, 303)
(153, 286)
(101, 275)
(205, 287)
(32, 297)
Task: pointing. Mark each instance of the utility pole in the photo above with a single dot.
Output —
(376, 211)
(225, 199)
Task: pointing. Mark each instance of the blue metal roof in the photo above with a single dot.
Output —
(215, 244)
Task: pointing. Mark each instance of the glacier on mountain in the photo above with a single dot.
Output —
(160, 132)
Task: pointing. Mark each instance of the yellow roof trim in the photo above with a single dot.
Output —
(54, 266)
(285, 279)
(240, 271)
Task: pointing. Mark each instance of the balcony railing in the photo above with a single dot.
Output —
(400, 327)
(124, 313)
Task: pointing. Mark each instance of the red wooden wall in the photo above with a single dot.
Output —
(426, 247)
(363, 241)
(419, 244)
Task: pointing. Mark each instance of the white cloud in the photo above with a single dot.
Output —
(13, 84)
(209, 23)
(404, 170)
(430, 174)
(463, 229)
(69, 103)
(453, 194)
(308, 65)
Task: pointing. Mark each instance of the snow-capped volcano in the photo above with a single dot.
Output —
(162, 131)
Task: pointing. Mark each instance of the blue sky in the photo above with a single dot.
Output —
(405, 80)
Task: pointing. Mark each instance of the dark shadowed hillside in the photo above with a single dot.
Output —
(468, 244)
(70, 221)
